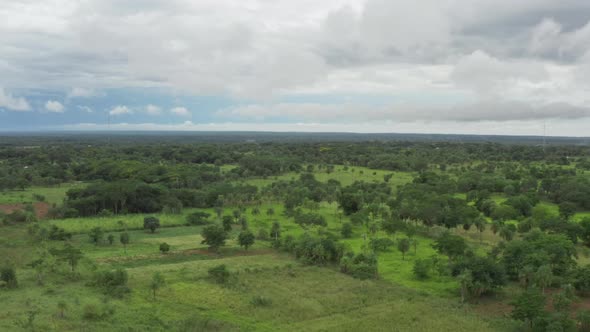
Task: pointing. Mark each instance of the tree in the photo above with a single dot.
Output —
(403, 245)
(451, 245)
(567, 210)
(421, 268)
(214, 236)
(111, 239)
(246, 238)
(69, 254)
(543, 277)
(480, 224)
(157, 282)
(124, 239)
(466, 282)
(346, 230)
(151, 223)
(96, 235)
(164, 247)
(275, 230)
(528, 306)
(227, 222)
(507, 232)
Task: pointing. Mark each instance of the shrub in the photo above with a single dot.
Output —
(220, 274)
(346, 230)
(198, 218)
(112, 282)
(262, 235)
(164, 247)
(151, 223)
(361, 266)
(8, 276)
(421, 269)
(381, 244)
(261, 301)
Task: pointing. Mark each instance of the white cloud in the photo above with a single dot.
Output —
(82, 93)
(54, 106)
(180, 111)
(153, 109)
(86, 109)
(13, 103)
(120, 110)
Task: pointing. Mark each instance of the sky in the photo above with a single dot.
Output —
(424, 66)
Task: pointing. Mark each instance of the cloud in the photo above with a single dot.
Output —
(153, 109)
(86, 109)
(120, 110)
(54, 106)
(13, 103)
(485, 110)
(82, 93)
(180, 111)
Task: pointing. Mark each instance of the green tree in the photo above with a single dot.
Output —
(156, 283)
(96, 235)
(214, 236)
(528, 306)
(480, 223)
(227, 222)
(543, 277)
(151, 223)
(69, 254)
(567, 210)
(346, 230)
(403, 245)
(450, 245)
(111, 239)
(246, 238)
(275, 230)
(124, 239)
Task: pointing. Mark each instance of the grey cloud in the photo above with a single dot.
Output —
(485, 110)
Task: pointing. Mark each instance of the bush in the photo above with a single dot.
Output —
(262, 235)
(198, 219)
(346, 230)
(381, 244)
(261, 301)
(112, 282)
(421, 268)
(8, 276)
(220, 274)
(361, 266)
(164, 247)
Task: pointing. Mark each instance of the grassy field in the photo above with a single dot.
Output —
(53, 195)
(297, 297)
(300, 297)
(346, 177)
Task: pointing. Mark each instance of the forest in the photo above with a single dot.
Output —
(230, 233)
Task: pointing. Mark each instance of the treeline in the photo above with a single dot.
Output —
(187, 164)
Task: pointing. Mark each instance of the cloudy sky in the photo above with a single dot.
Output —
(424, 66)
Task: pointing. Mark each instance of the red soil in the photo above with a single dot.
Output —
(41, 208)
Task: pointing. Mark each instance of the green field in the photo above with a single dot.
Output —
(53, 195)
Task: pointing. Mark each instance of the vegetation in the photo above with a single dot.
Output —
(295, 236)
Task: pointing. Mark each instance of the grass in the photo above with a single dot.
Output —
(345, 177)
(53, 195)
(300, 298)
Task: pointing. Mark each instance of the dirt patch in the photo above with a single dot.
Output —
(41, 208)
